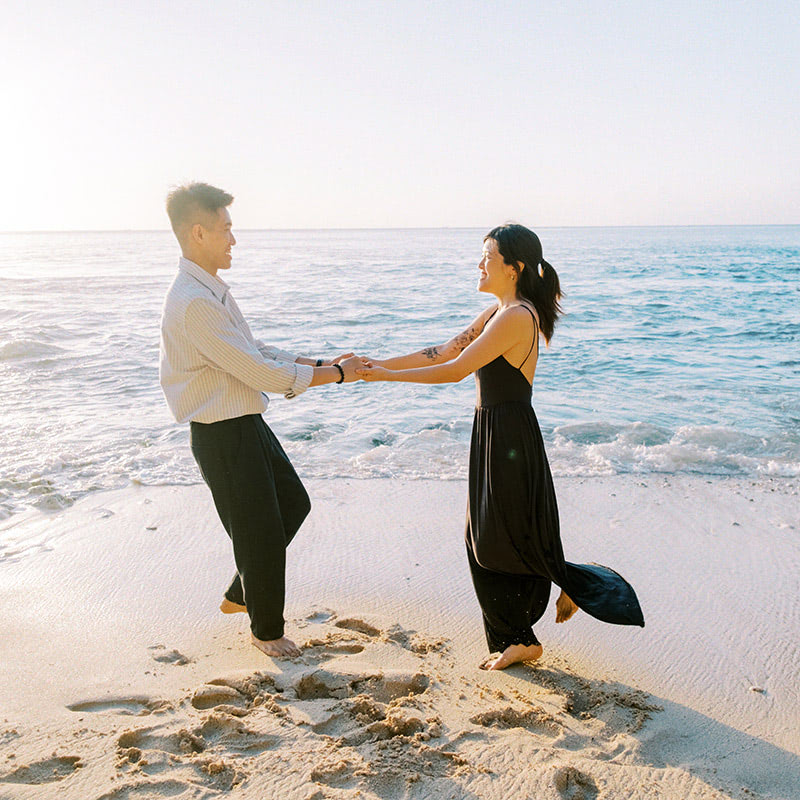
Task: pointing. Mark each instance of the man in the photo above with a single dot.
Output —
(214, 374)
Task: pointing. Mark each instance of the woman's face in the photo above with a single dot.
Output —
(495, 274)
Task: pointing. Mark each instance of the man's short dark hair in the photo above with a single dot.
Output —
(186, 204)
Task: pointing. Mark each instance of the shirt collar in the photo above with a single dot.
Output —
(215, 285)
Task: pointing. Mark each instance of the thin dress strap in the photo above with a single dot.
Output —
(535, 335)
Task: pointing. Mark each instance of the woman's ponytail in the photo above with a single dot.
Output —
(551, 309)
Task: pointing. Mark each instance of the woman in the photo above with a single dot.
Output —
(512, 537)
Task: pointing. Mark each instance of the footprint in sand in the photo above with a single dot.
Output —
(338, 774)
(322, 684)
(150, 789)
(179, 743)
(620, 710)
(249, 685)
(9, 735)
(360, 719)
(129, 706)
(383, 686)
(407, 639)
(212, 695)
(54, 769)
(216, 731)
(238, 694)
(415, 642)
(169, 656)
(572, 784)
(220, 730)
(396, 722)
(391, 684)
(336, 643)
(533, 719)
(358, 625)
(320, 615)
(389, 768)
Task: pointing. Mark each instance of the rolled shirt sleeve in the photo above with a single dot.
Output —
(274, 353)
(216, 337)
(303, 376)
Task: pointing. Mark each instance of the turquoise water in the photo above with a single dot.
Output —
(678, 353)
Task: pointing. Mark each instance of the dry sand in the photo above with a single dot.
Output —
(120, 679)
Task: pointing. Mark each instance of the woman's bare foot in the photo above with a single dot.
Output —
(277, 648)
(227, 607)
(565, 607)
(512, 655)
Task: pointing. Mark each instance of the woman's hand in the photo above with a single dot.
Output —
(338, 359)
(373, 373)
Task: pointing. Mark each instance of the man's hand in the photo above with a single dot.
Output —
(349, 367)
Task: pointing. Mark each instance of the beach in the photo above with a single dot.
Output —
(360, 177)
(120, 678)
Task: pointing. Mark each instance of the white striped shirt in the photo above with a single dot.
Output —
(211, 366)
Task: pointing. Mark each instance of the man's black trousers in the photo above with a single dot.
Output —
(261, 503)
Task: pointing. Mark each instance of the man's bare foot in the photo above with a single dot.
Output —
(227, 607)
(565, 607)
(512, 655)
(277, 648)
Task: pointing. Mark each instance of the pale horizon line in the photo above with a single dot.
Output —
(414, 228)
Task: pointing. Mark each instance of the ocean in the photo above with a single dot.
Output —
(678, 353)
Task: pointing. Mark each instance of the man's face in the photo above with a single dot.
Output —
(218, 239)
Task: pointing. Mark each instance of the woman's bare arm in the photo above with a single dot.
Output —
(504, 332)
(440, 354)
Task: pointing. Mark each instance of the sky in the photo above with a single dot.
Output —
(401, 114)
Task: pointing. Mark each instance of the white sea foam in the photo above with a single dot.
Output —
(700, 449)
(28, 348)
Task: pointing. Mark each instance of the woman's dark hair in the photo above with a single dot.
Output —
(537, 281)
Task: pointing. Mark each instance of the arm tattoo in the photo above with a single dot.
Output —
(432, 353)
(466, 338)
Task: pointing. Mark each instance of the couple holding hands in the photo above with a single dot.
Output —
(214, 375)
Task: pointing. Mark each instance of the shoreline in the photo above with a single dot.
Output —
(54, 505)
(111, 609)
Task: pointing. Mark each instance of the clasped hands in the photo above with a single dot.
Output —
(356, 367)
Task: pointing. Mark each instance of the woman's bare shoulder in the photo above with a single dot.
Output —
(523, 312)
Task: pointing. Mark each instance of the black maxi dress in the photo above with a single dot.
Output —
(513, 538)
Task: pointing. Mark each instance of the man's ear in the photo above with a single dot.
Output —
(197, 233)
